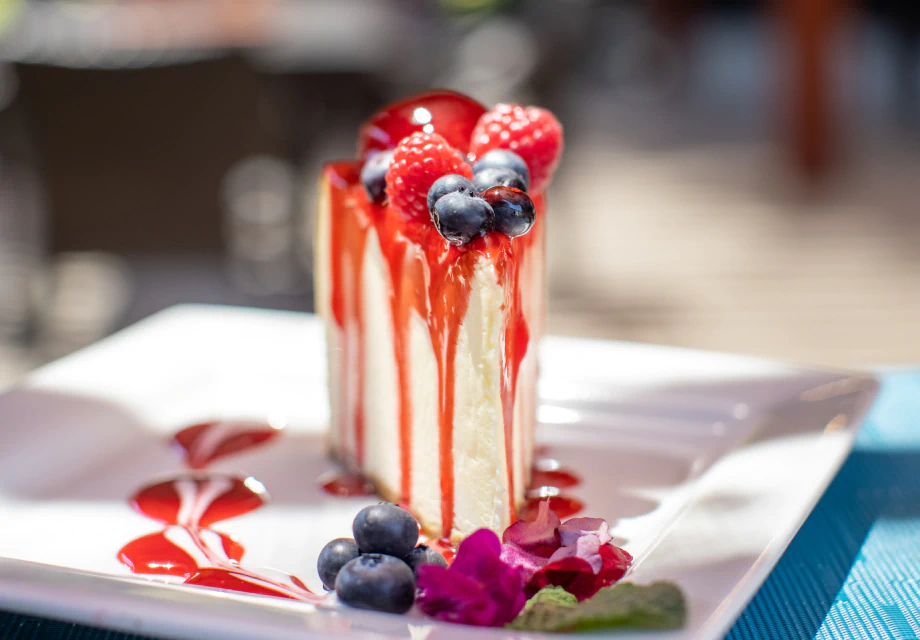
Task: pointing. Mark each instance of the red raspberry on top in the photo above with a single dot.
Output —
(531, 132)
(418, 161)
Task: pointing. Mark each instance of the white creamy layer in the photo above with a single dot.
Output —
(480, 470)
(381, 390)
(481, 492)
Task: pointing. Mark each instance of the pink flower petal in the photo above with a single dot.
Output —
(586, 547)
(477, 589)
(477, 553)
(538, 536)
(575, 574)
(454, 598)
(527, 562)
(572, 529)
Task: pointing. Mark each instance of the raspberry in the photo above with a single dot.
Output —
(418, 161)
(531, 132)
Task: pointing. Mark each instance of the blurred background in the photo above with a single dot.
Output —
(738, 175)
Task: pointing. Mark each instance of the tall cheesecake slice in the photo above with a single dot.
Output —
(432, 315)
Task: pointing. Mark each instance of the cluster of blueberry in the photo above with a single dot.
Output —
(376, 569)
(495, 199)
(461, 209)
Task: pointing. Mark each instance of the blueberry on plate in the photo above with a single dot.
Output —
(504, 159)
(385, 528)
(335, 555)
(493, 177)
(423, 554)
(448, 184)
(373, 176)
(514, 210)
(378, 582)
(459, 218)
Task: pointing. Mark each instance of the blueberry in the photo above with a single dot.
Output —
(385, 528)
(373, 175)
(504, 159)
(424, 555)
(378, 582)
(460, 217)
(333, 557)
(493, 177)
(514, 210)
(448, 184)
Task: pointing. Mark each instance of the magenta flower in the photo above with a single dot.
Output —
(582, 538)
(478, 588)
(576, 574)
(575, 555)
(574, 528)
(537, 537)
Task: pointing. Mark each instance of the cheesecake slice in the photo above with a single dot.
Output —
(431, 353)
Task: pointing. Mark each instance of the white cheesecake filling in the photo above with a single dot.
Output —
(481, 492)
(480, 465)
(381, 380)
(480, 469)
(425, 496)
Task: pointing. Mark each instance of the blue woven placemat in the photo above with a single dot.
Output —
(852, 572)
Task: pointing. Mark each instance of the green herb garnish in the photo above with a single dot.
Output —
(660, 605)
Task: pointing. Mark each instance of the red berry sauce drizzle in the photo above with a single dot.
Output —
(186, 547)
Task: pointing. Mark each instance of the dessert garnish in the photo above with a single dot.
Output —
(335, 555)
(486, 178)
(377, 568)
(418, 161)
(659, 605)
(531, 132)
(423, 554)
(496, 199)
(505, 160)
(460, 209)
(374, 175)
(449, 184)
(385, 528)
(378, 582)
(459, 217)
(513, 209)
(576, 555)
(478, 588)
(543, 575)
(425, 168)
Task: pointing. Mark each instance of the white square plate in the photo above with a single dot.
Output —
(706, 463)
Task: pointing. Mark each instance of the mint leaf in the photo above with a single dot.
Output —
(544, 616)
(660, 605)
(552, 596)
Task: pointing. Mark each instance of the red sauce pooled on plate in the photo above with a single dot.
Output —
(188, 505)
(201, 444)
(347, 485)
